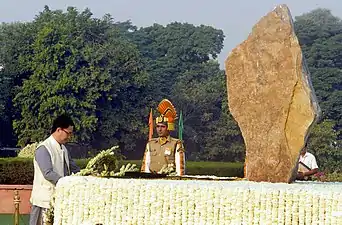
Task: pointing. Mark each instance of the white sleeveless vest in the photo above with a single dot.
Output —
(43, 189)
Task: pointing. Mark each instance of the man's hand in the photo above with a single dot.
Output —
(300, 175)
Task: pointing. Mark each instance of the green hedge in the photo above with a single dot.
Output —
(222, 169)
(20, 170)
(16, 171)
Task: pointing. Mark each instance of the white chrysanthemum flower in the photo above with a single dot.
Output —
(94, 200)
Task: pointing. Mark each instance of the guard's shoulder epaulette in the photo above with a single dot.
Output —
(176, 140)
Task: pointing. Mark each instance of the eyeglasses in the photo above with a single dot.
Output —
(67, 132)
(162, 126)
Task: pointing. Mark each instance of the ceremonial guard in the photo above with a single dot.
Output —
(164, 151)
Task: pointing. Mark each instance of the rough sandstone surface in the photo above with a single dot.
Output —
(271, 97)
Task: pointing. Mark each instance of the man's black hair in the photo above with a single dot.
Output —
(62, 121)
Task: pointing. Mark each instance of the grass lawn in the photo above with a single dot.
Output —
(8, 219)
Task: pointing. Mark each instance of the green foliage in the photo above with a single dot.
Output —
(174, 49)
(201, 94)
(334, 177)
(16, 171)
(323, 144)
(15, 40)
(181, 60)
(320, 34)
(80, 66)
(81, 163)
(223, 169)
(20, 170)
(108, 74)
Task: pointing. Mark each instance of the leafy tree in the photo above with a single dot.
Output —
(6, 134)
(320, 35)
(209, 127)
(171, 50)
(180, 58)
(15, 40)
(80, 66)
(324, 145)
(225, 141)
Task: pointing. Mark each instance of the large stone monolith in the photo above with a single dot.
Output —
(271, 97)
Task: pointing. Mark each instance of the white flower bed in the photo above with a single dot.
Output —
(91, 200)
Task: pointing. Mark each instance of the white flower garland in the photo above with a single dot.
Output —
(91, 200)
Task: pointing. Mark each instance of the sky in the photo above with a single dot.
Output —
(235, 17)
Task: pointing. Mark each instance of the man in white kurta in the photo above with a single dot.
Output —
(52, 161)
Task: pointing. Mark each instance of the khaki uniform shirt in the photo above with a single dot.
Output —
(164, 151)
